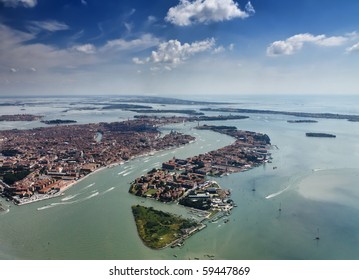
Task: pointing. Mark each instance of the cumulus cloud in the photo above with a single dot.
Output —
(49, 25)
(204, 11)
(354, 48)
(220, 49)
(87, 48)
(174, 52)
(295, 43)
(22, 3)
(170, 54)
(136, 60)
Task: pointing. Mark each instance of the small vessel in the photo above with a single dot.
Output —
(280, 207)
(317, 237)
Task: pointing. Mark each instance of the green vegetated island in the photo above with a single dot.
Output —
(185, 181)
(159, 229)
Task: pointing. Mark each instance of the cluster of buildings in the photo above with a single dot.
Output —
(20, 117)
(250, 149)
(164, 185)
(185, 179)
(46, 160)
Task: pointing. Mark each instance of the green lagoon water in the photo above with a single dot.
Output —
(315, 183)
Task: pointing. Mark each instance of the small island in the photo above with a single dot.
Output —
(302, 121)
(159, 229)
(57, 121)
(125, 107)
(317, 134)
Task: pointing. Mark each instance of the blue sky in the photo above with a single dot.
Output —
(179, 47)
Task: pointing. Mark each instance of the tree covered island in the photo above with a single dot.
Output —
(159, 229)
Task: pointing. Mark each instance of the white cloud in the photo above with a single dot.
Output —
(231, 47)
(49, 25)
(33, 69)
(23, 3)
(332, 41)
(87, 48)
(155, 69)
(151, 19)
(144, 42)
(83, 2)
(220, 49)
(249, 8)
(354, 48)
(174, 52)
(204, 11)
(136, 60)
(128, 26)
(295, 43)
(13, 70)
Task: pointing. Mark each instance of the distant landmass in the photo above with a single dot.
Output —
(57, 121)
(19, 117)
(188, 112)
(125, 107)
(317, 134)
(297, 114)
(302, 121)
(164, 100)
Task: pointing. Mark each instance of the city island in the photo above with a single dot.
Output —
(185, 181)
(41, 163)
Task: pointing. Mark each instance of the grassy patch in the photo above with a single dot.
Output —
(158, 229)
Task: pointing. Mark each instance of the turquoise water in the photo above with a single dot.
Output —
(315, 183)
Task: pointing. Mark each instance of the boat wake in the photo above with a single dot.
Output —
(127, 173)
(110, 189)
(90, 196)
(45, 207)
(277, 193)
(120, 173)
(69, 197)
(67, 202)
(4, 212)
(89, 186)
